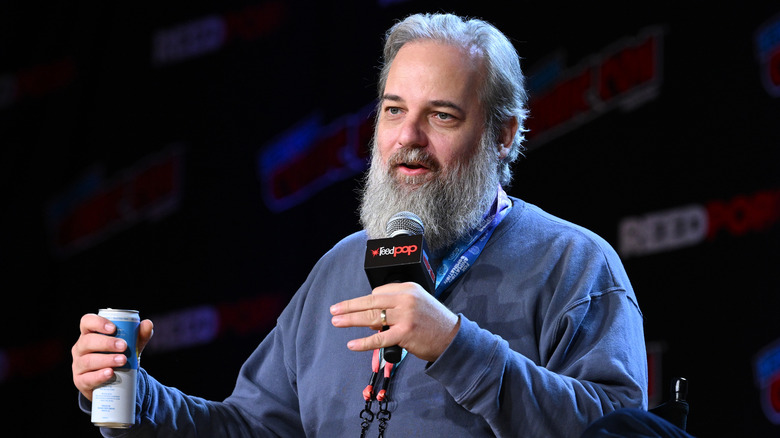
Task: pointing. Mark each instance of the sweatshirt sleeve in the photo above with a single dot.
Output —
(596, 363)
(163, 411)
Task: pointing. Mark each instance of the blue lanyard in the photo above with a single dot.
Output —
(466, 250)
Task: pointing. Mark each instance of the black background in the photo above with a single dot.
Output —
(97, 100)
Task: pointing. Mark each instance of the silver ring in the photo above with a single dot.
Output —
(383, 314)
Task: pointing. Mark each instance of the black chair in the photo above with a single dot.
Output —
(676, 409)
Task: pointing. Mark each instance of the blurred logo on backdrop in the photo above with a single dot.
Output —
(313, 155)
(691, 225)
(767, 39)
(95, 207)
(36, 81)
(766, 367)
(624, 75)
(211, 33)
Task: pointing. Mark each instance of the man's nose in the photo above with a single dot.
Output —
(412, 133)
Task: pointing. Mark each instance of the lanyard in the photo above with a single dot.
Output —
(468, 248)
(460, 259)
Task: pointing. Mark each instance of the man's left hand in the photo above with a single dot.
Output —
(417, 321)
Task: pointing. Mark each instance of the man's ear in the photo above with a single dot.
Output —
(507, 138)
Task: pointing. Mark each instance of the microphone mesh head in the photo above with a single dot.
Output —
(404, 223)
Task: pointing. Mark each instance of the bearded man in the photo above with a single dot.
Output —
(533, 328)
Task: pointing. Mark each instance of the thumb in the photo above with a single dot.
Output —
(145, 332)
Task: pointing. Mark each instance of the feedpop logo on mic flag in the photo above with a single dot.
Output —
(394, 251)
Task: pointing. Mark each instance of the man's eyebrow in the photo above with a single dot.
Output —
(447, 104)
(393, 97)
(434, 103)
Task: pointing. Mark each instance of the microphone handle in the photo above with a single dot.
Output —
(393, 353)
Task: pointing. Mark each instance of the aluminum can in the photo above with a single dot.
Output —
(113, 403)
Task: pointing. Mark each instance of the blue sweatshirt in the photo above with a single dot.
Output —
(550, 339)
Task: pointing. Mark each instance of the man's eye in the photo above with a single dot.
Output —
(393, 110)
(443, 116)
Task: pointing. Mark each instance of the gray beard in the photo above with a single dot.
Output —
(451, 204)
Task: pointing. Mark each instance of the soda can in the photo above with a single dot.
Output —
(113, 403)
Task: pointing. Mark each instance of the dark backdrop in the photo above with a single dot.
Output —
(194, 159)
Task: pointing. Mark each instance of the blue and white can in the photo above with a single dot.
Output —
(113, 403)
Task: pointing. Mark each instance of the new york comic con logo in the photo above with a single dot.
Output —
(767, 39)
(766, 368)
(394, 251)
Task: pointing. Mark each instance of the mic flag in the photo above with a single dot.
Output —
(402, 256)
(397, 260)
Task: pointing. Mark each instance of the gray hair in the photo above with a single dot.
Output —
(503, 94)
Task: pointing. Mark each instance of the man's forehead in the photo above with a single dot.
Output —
(438, 73)
(429, 51)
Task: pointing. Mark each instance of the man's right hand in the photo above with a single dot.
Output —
(95, 355)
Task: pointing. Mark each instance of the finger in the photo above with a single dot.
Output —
(98, 343)
(381, 298)
(145, 332)
(97, 361)
(358, 304)
(368, 318)
(377, 340)
(91, 323)
(87, 382)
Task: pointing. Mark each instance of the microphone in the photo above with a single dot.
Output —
(400, 257)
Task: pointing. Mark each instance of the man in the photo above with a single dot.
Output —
(533, 330)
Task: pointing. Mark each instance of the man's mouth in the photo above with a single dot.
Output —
(412, 168)
(413, 163)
